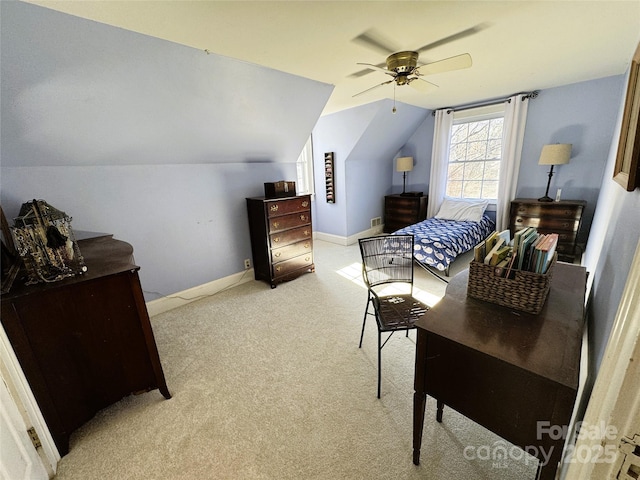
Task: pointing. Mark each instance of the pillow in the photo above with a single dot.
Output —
(462, 210)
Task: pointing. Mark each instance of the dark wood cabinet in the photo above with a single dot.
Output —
(563, 217)
(281, 237)
(403, 210)
(84, 342)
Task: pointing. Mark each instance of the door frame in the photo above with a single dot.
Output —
(614, 402)
(18, 386)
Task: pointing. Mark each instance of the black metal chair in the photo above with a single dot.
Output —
(389, 260)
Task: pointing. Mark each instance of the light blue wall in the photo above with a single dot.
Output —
(152, 141)
(419, 147)
(614, 237)
(365, 141)
(583, 114)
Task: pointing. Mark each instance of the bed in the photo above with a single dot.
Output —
(454, 230)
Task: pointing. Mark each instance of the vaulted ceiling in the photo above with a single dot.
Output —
(516, 45)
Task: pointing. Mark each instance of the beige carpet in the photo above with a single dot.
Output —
(270, 384)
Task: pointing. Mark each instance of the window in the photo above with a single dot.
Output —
(475, 153)
(304, 169)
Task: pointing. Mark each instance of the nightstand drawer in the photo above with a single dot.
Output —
(555, 210)
(546, 223)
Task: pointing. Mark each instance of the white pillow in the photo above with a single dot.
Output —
(462, 210)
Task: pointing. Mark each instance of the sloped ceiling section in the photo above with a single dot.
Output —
(85, 93)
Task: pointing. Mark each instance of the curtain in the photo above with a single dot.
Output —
(515, 117)
(439, 160)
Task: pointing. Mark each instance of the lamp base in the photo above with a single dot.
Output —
(545, 199)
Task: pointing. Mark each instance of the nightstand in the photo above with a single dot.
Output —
(563, 217)
(403, 210)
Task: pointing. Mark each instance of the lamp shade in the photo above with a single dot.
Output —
(557, 154)
(404, 164)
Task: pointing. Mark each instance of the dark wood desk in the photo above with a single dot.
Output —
(503, 369)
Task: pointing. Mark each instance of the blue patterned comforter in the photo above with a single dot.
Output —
(438, 242)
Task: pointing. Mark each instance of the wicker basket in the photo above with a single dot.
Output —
(527, 291)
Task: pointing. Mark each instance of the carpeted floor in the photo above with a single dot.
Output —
(270, 384)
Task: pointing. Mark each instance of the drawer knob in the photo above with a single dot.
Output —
(276, 239)
(278, 254)
(306, 233)
(305, 203)
(274, 208)
(276, 224)
(278, 268)
(307, 259)
(519, 220)
(303, 217)
(307, 245)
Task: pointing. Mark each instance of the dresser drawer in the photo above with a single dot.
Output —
(285, 253)
(547, 224)
(292, 265)
(290, 236)
(285, 206)
(285, 222)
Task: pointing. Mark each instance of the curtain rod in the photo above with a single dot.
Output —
(487, 103)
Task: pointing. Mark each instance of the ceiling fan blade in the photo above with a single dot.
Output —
(379, 68)
(446, 65)
(375, 86)
(374, 39)
(422, 85)
(364, 72)
(455, 36)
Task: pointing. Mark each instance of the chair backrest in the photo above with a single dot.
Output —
(387, 259)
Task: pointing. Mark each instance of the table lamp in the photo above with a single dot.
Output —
(404, 165)
(557, 154)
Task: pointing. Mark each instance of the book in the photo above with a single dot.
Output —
(499, 255)
(518, 236)
(498, 244)
(524, 248)
(502, 266)
(480, 251)
(546, 250)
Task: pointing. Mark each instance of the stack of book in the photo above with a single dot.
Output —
(528, 251)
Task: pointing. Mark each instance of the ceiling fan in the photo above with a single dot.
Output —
(403, 66)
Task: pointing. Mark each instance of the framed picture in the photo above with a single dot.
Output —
(627, 164)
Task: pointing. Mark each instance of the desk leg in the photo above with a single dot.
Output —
(440, 408)
(419, 404)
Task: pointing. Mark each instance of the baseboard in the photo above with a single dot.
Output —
(179, 299)
(346, 241)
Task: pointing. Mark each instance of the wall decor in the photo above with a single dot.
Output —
(627, 163)
(46, 243)
(328, 175)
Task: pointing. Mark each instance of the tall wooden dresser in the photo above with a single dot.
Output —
(403, 210)
(84, 342)
(563, 217)
(281, 237)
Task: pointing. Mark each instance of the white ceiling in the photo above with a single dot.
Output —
(521, 45)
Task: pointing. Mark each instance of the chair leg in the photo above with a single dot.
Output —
(364, 322)
(379, 361)
(439, 409)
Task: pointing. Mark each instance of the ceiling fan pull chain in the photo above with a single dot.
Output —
(394, 98)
